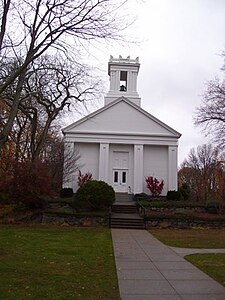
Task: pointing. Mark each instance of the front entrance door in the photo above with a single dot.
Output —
(120, 180)
(120, 171)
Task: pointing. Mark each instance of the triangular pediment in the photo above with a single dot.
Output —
(121, 117)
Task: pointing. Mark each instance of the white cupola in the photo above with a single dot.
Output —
(123, 74)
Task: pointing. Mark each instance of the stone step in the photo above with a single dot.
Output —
(127, 223)
(121, 226)
(124, 208)
(127, 220)
(121, 197)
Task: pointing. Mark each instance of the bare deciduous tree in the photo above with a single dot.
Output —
(70, 163)
(211, 114)
(30, 29)
(201, 171)
(62, 160)
(51, 87)
(4, 12)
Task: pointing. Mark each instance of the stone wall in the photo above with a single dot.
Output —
(59, 219)
(103, 221)
(75, 220)
(183, 224)
(176, 209)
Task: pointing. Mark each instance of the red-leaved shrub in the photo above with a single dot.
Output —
(154, 185)
(83, 178)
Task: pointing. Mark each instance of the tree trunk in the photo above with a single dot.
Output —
(13, 112)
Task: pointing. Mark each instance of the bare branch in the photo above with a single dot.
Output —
(51, 87)
(6, 5)
(210, 116)
(202, 171)
(44, 26)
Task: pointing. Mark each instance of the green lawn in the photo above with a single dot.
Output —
(56, 263)
(211, 264)
(191, 238)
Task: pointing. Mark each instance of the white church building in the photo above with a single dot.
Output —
(121, 143)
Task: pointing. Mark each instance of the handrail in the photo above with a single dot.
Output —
(141, 210)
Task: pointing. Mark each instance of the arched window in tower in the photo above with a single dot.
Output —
(123, 81)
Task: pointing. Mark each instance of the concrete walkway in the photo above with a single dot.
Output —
(147, 269)
(187, 251)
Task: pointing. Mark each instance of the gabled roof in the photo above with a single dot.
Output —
(121, 117)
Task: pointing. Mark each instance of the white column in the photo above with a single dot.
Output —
(134, 87)
(104, 162)
(129, 82)
(172, 168)
(68, 149)
(69, 146)
(138, 169)
(117, 82)
(112, 80)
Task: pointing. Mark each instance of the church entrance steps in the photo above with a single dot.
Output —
(122, 197)
(126, 216)
(127, 222)
(123, 208)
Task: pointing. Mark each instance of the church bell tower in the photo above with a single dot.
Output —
(123, 74)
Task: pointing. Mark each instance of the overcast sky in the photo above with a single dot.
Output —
(181, 43)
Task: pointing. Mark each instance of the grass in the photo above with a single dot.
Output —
(6, 209)
(191, 238)
(56, 263)
(211, 264)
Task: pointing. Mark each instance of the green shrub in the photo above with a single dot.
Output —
(213, 207)
(4, 198)
(34, 202)
(141, 196)
(94, 195)
(66, 193)
(185, 191)
(173, 195)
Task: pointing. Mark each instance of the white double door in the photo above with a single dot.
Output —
(120, 171)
